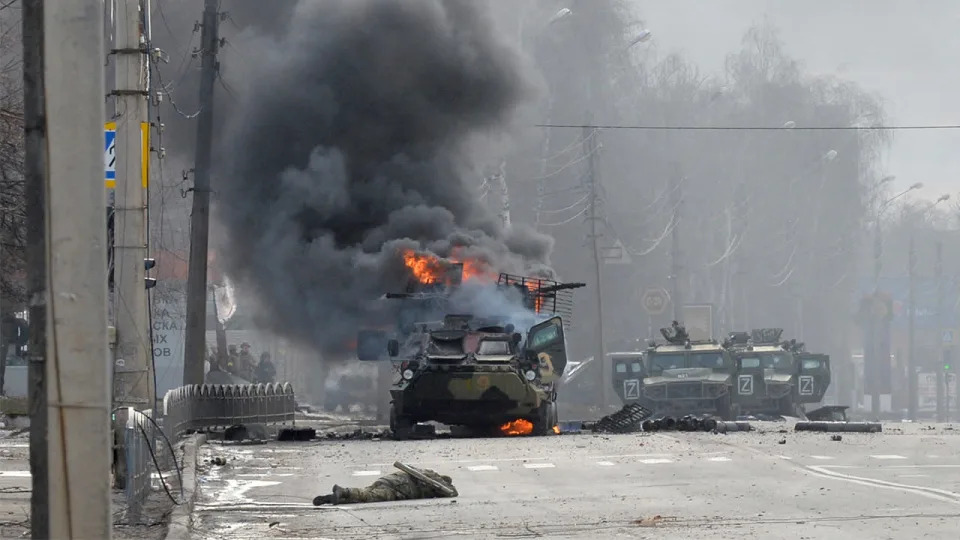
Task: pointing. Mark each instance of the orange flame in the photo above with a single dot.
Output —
(538, 300)
(556, 429)
(517, 427)
(430, 269)
(425, 268)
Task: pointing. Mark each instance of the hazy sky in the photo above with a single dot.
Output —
(905, 51)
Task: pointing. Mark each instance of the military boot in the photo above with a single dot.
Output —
(322, 499)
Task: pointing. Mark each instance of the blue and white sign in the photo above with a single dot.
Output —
(110, 154)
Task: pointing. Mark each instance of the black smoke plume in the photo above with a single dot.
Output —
(353, 144)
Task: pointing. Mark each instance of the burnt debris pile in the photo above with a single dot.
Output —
(627, 420)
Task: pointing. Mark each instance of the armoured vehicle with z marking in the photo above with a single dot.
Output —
(679, 377)
(776, 377)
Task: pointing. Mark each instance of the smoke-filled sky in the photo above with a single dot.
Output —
(354, 140)
(904, 51)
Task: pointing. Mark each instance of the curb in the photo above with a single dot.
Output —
(182, 516)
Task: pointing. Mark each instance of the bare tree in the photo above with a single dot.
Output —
(12, 203)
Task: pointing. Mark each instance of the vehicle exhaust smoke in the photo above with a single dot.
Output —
(351, 145)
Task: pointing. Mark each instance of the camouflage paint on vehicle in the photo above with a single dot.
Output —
(447, 376)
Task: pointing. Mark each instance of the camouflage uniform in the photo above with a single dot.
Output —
(398, 486)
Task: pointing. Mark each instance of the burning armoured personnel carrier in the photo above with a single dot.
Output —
(679, 377)
(479, 371)
(776, 377)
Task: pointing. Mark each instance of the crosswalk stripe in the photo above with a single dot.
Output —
(366, 473)
(539, 465)
(477, 468)
(888, 456)
(605, 463)
(719, 458)
(821, 457)
(655, 461)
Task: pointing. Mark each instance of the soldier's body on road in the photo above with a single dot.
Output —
(398, 486)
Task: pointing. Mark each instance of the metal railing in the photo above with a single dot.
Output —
(147, 437)
(215, 405)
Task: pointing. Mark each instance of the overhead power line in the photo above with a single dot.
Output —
(750, 128)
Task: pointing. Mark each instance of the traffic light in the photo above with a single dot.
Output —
(947, 360)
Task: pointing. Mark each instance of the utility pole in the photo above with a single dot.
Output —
(590, 150)
(911, 351)
(133, 378)
(64, 110)
(195, 339)
(938, 272)
(35, 143)
(676, 200)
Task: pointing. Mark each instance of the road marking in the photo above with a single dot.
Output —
(821, 457)
(719, 458)
(605, 463)
(477, 468)
(539, 465)
(888, 456)
(913, 475)
(938, 494)
(655, 461)
(366, 473)
(16, 474)
(784, 457)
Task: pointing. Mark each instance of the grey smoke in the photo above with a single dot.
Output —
(354, 143)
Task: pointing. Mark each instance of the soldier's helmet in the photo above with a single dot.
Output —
(245, 346)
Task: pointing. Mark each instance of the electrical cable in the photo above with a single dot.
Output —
(173, 454)
(749, 128)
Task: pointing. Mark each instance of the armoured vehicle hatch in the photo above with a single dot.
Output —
(679, 377)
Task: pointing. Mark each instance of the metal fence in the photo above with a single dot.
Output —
(186, 409)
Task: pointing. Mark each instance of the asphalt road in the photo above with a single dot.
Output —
(903, 483)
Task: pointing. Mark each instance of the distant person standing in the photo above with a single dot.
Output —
(232, 360)
(266, 372)
(245, 363)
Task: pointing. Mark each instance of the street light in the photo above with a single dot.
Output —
(790, 124)
(830, 155)
(643, 37)
(912, 311)
(877, 239)
(563, 13)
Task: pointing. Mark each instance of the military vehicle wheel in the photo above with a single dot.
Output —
(400, 426)
(546, 418)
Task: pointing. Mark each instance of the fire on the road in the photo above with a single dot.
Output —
(517, 427)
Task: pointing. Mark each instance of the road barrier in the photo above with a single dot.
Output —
(200, 406)
(148, 438)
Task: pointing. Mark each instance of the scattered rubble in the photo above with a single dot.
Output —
(850, 427)
(626, 420)
(297, 434)
(836, 438)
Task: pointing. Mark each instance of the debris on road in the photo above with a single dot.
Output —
(834, 413)
(218, 461)
(627, 420)
(849, 427)
(649, 522)
(836, 438)
(694, 423)
(407, 484)
(297, 434)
